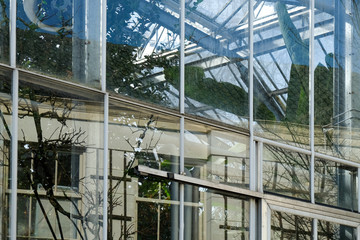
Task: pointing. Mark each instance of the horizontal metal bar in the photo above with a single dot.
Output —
(164, 201)
(282, 145)
(319, 216)
(48, 80)
(276, 203)
(279, 91)
(338, 160)
(307, 152)
(195, 181)
(312, 210)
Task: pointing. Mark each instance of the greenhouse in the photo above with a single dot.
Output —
(179, 119)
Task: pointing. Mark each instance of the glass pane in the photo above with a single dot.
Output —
(4, 32)
(142, 43)
(60, 39)
(334, 231)
(286, 173)
(291, 227)
(216, 155)
(210, 214)
(281, 71)
(336, 64)
(138, 136)
(40, 227)
(5, 137)
(142, 208)
(217, 51)
(60, 159)
(336, 184)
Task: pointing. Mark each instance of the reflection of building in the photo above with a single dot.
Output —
(114, 125)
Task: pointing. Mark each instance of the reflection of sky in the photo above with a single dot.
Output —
(52, 13)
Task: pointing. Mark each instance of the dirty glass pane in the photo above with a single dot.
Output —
(281, 71)
(336, 184)
(142, 45)
(60, 159)
(4, 31)
(216, 60)
(286, 172)
(60, 39)
(142, 137)
(216, 155)
(5, 138)
(288, 226)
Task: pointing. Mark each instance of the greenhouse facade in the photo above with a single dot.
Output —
(179, 119)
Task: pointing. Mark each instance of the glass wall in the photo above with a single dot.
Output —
(289, 226)
(333, 231)
(60, 39)
(216, 155)
(281, 71)
(59, 161)
(127, 161)
(211, 214)
(336, 78)
(139, 136)
(142, 48)
(216, 58)
(286, 172)
(336, 184)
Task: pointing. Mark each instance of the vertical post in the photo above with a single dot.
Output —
(265, 230)
(259, 166)
(103, 45)
(182, 111)
(314, 229)
(105, 164)
(251, 94)
(14, 154)
(312, 98)
(252, 227)
(106, 116)
(14, 127)
(358, 191)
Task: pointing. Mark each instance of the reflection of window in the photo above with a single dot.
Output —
(63, 168)
(32, 223)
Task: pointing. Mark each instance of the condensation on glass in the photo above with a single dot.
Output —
(216, 155)
(4, 31)
(281, 71)
(286, 172)
(142, 47)
(216, 60)
(60, 39)
(336, 184)
(139, 136)
(60, 157)
(5, 146)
